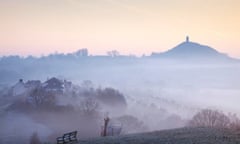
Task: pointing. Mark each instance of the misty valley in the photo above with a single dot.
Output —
(59, 93)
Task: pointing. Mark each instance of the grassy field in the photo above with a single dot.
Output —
(175, 136)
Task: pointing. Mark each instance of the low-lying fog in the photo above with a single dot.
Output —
(159, 95)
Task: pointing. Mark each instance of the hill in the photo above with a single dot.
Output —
(192, 50)
(175, 136)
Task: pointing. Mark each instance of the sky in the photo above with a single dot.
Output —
(40, 27)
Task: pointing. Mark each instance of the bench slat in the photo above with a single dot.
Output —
(67, 137)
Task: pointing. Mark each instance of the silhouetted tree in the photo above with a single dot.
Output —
(106, 121)
(111, 97)
(42, 98)
(35, 139)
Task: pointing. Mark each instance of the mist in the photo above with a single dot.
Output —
(157, 93)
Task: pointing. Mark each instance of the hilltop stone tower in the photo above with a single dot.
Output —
(187, 39)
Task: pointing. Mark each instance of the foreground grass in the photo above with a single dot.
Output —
(175, 136)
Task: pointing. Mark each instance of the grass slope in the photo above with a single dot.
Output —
(175, 136)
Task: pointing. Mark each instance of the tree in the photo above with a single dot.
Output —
(42, 98)
(89, 106)
(235, 122)
(131, 124)
(35, 139)
(113, 53)
(82, 52)
(111, 97)
(210, 118)
(87, 84)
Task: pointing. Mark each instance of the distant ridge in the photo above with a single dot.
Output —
(192, 50)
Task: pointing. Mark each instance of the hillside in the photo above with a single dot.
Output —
(192, 50)
(175, 136)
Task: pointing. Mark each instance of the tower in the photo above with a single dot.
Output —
(187, 39)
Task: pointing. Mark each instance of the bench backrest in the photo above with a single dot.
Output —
(74, 133)
(67, 137)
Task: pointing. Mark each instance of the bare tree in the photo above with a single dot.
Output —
(89, 106)
(210, 118)
(235, 122)
(106, 121)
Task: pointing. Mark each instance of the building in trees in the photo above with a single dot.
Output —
(18, 88)
(54, 85)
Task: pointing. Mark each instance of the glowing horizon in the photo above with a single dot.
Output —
(32, 27)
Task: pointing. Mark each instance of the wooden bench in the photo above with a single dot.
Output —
(70, 137)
